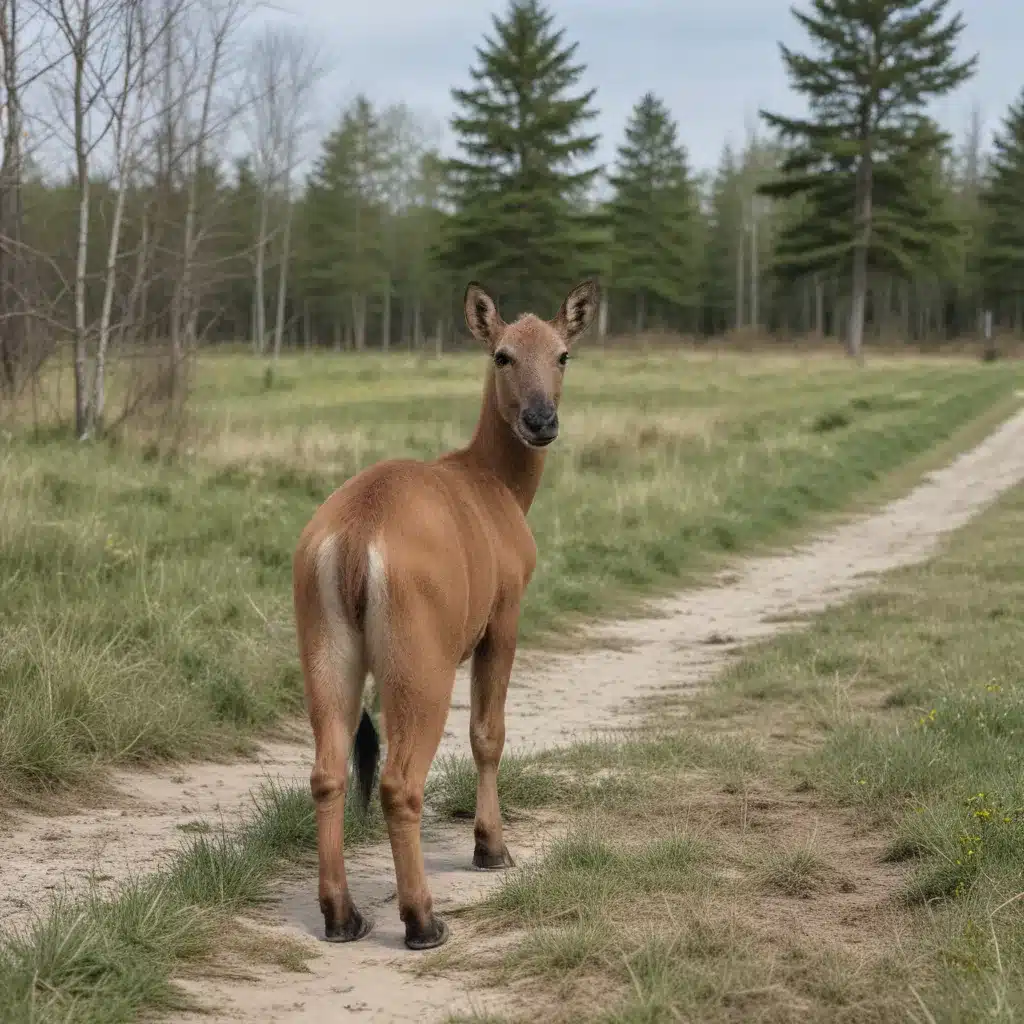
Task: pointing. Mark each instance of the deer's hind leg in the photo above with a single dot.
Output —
(492, 667)
(415, 695)
(334, 666)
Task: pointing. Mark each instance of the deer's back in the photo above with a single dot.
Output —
(448, 538)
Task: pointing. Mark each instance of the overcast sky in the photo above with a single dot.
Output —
(714, 63)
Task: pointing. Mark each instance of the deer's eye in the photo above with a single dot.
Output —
(502, 359)
(563, 359)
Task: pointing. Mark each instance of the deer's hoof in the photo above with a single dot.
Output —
(354, 928)
(430, 937)
(484, 861)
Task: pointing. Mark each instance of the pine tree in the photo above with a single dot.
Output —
(725, 236)
(517, 183)
(963, 183)
(652, 215)
(418, 233)
(344, 213)
(876, 65)
(908, 226)
(1002, 257)
(740, 238)
(241, 223)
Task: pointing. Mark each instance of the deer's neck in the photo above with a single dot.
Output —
(496, 448)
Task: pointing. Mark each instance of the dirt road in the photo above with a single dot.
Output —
(553, 700)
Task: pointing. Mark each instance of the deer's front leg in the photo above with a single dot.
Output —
(492, 666)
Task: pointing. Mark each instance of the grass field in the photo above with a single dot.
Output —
(833, 832)
(146, 601)
(146, 616)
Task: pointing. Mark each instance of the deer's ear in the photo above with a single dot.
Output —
(578, 310)
(482, 317)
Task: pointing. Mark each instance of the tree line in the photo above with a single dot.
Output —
(153, 196)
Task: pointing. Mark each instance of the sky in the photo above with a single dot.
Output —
(713, 63)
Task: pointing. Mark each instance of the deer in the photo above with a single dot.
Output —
(405, 572)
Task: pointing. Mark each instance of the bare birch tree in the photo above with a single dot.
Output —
(301, 72)
(127, 110)
(210, 38)
(12, 327)
(92, 61)
(265, 129)
(284, 71)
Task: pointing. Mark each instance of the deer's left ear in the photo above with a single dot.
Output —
(578, 310)
(482, 317)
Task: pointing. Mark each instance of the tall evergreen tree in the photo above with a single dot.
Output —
(876, 64)
(418, 233)
(725, 238)
(1002, 257)
(910, 224)
(516, 184)
(740, 240)
(241, 208)
(345, 211)
(964, 180)
(653, 215)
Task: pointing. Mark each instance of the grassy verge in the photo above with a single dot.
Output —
(146, 603)
(96, 960)
(835, 832)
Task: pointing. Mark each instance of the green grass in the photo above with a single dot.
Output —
(607, 774)
(661, 750)
(631, 926)
(583, 875)
(146, 602)
(928, 747)
(96, 960)
(870, 869)
(931, 665)
(451, 788)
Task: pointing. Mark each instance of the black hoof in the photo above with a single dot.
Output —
(353, 929)
(434, 935)
(484, 861)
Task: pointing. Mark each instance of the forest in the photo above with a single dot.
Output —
(163, 189)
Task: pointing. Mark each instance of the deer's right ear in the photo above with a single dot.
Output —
(482, 317)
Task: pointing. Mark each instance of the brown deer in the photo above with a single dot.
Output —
(406, 571)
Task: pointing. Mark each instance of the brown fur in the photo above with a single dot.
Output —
(406, 571)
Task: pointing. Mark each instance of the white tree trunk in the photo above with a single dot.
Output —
(738, 321)
(282, 274)
(124, 148)
(81, 354)
(81, 264)
(99, 387)
(259, 304)
(188, 306)
(859, 290)
(755, 282)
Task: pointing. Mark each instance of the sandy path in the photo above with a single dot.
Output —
(560, 698)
